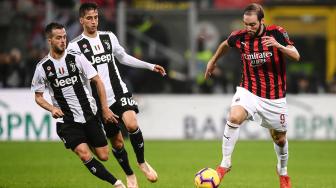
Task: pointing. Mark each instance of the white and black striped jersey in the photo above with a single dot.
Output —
(67, 80)
(101, 51)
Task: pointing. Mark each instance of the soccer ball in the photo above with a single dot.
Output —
(207, 178)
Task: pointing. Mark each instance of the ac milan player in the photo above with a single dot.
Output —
(262, 89)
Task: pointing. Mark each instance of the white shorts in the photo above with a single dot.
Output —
(273, 112)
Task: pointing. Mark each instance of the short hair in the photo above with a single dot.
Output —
(255, 8)
(86, 7)
(50, 27)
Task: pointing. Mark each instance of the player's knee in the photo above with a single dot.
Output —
(235, 119)
(132, 125)
(280, 141)
(83, 153)
(117, 144)
(103, 154)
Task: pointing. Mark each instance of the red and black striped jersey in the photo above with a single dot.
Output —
(264, 68)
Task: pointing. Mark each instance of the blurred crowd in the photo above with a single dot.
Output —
(23, 45)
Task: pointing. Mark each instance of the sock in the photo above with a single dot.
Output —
(122, 158)
(98, 169)
(230, 137)
(282, 155)
(138, 145)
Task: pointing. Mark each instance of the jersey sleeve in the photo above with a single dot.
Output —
(126, 59)
(38, 83)
(282, 36)
(232, 39)
(85, 66)
(72, 46)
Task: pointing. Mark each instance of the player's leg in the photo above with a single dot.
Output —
(241, 108)
(274, 115)
(231, 133)
(74, 137)
(114, 134)
(121, 155)
(281, 150)
(97, 139)
(137, 141)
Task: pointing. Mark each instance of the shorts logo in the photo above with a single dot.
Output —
(237, 99)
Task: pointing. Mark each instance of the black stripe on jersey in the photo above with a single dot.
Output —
(85, 48)
(78, 87)
(255, 69)
(113, 73)
(265, 72)
(51, 75)
(245, 62)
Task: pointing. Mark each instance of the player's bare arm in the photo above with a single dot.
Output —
(290, 51)
(222, 49)
(108, 115)
(159, 69)
(56, 112)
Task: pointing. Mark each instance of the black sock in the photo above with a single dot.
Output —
(122, 158)
(98, 169)
(138, 145)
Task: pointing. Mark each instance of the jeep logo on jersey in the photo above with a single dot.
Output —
(257, 58)
(65, 81)
(100, 59)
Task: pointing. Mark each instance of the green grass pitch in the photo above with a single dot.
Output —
(312, 164)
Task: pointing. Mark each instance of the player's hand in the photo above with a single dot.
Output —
(56, 113)
(209, 70)
(159, 69)
(270, 41)
(109, 116)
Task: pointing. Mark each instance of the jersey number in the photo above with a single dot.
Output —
(282, 119)
(127, 101)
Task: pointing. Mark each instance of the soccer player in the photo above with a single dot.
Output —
(263, 85)
(101, 48)
(66, 75)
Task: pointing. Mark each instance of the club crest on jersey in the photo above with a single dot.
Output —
(73, 66)
(106, 42)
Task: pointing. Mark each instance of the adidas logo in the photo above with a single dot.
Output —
(86, 50)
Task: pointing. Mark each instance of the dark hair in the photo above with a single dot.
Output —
(53, 25)
(255, 8)
(86, 7)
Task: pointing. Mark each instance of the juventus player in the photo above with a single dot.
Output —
(66, 75)
(263, 86)
(101, 48)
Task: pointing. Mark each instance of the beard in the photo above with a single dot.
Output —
(58, 50)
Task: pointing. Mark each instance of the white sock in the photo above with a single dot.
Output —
(230, 137)
(282, 155)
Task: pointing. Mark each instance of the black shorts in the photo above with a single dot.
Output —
(73, 134)
(122, 104)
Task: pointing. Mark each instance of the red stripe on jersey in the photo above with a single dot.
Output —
(270, 74)
(278, 64)
(262, 80)
(250, 68)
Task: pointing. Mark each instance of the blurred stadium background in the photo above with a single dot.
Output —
(182, 108)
